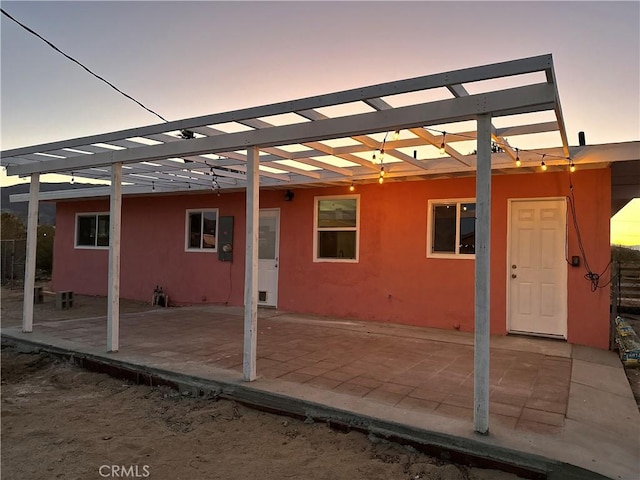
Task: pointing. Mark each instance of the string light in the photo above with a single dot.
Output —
(396, 135)
(374, 157)
(153, 186)
(189, 186)
(73, 179)
(442, 147)
(542, 164)
(352, 187)
(381, 179)
(572, 167)
(382, 154)
(518, 162)
(502, 145)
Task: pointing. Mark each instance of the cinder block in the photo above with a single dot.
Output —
(64, 300)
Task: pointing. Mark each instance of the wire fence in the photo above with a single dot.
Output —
(13, 254)
(627, 294)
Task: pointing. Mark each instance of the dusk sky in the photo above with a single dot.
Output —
(184, 59)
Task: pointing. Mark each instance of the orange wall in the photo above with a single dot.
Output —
(393, 280)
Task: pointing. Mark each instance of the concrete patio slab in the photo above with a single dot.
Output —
(550, 412)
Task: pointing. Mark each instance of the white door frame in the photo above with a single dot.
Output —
(277, 258)
(510, 202)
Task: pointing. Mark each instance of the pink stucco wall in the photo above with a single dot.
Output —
(393, 281)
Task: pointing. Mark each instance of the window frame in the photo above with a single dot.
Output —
(96, 246)
(187, 230)
(316, 229)
(458, 202)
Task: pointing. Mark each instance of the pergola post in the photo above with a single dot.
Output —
(482, 278)
(32, 245)
(251, 267)
(113, 300)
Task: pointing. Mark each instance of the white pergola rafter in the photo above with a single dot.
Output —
(133, 143)
(532, 98)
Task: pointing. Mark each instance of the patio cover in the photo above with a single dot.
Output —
(337, 138)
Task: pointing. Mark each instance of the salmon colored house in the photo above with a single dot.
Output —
(387, 253)
(432, 201)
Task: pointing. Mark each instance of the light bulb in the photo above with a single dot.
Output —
(518, 162)
(352, 187)
(381, 155)
(442, 149)
(73, 179)
(396, 135)
(543, 166)
(572, 168)
(382, 171)
(380, 180)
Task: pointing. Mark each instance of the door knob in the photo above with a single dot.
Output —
(513, 275)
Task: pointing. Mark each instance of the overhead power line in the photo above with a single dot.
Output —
(81, 65)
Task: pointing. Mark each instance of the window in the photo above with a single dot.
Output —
(336, 222)
(92, 230)
(452, 229)
(202, 230)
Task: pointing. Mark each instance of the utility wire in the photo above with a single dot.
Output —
(81, 65)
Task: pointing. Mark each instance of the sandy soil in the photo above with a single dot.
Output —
(61, 422)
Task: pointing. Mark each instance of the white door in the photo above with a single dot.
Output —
(268, 244)
(537, 269)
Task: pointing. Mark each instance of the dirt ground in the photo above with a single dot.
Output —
(62, 422)
(59, 421)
